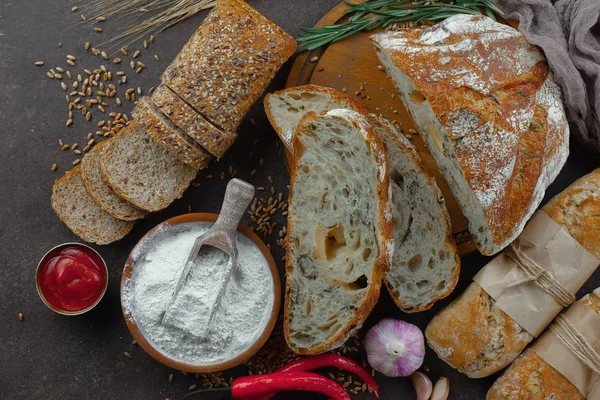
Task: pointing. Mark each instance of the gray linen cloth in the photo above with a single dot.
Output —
(569, 33)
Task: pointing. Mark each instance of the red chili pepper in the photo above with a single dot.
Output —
(261, 385)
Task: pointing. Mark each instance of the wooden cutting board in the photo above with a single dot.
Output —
(351, 65)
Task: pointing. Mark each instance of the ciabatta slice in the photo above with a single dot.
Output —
(82, 215)
(339, 230)
(139, 170)
(425, 265)
(286, 108)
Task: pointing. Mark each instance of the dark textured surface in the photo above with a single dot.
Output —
(48, 356)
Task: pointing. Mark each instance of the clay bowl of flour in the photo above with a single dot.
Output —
(243, 321)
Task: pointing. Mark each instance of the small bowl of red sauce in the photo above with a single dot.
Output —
(71, 278)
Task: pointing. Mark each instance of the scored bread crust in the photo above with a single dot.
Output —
(228, 62)
(169, 136)
(396, 144)
(475, 87)
(334, 100)
(100, 192)
(82, 215)
(133, 162)
(463, 333)
(385, 233)
(211, 138)
(530, 377)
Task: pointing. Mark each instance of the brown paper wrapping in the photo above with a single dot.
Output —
(553, 248)
(552, 351)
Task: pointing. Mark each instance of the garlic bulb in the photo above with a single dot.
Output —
(395, 348)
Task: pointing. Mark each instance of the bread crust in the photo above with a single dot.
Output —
(445, 221)
(461, 331)
(211, 138)
(87, 230)
(385, 236)
(339, 97)
(116, 206)
(228, 63)
(170, 137)
(492, 93)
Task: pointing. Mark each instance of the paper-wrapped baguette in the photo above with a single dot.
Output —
(532, 378)
(475, 336)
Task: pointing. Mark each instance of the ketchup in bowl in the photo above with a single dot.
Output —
(71, 278)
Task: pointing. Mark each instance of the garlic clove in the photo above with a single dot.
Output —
(441, 389)
(422, 385)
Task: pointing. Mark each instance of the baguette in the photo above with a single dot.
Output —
(530, 377)
(228, 63)
(82, 215)
(176, 142)
(477, 87)
(141, 171)
(211, 138)
(103, 195)
(339, 230)
(286, 108)
(425, 265)
(472, 334)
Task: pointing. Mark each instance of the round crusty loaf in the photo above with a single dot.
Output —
(140, 171)
(425, 265)
(339, 230)
(286, 108)
(82, 215)
(476, 337)
(530, 377)
(490, 112)
(99, 191)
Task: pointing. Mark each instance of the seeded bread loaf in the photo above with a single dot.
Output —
(476, 87)
(228, 63)
(142, 172)
(531, 378)
(211, 138)
(286, 108)
(175, 141)
(339, 230)
(98, 190)
(476, 337)
(82, 215)
(425, 265)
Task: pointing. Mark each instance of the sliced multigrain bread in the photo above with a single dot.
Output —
(339, 230)
(286, 108)
(228, 62)
(425, 265)
(216, 141)
(491, 114)
(99, 191)
(173, 139)
(142, 172)
(82, 215)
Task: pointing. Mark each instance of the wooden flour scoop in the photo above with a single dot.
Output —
(221, 235)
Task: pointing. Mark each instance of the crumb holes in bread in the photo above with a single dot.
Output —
(326, 327)
(422, 284)
(415, 263)
(305, 169)
(292, 109)
(366, 254)
(346, 192)
(440, 286)
(360, 283)
(417, 97)
(397, 178)
(308, 307)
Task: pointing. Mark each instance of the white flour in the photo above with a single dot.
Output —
(239, 320)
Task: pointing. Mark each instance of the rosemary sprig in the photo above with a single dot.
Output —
(376, 14)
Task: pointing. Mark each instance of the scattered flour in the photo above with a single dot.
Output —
(239, 320)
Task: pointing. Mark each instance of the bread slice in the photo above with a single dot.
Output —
(339, 230)
(82, 215)
(141, 171)
(425, 265)
(99, 191)
(228, 62)
(286, 108)
(211, 138)
(490, 113)
(176, 142)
